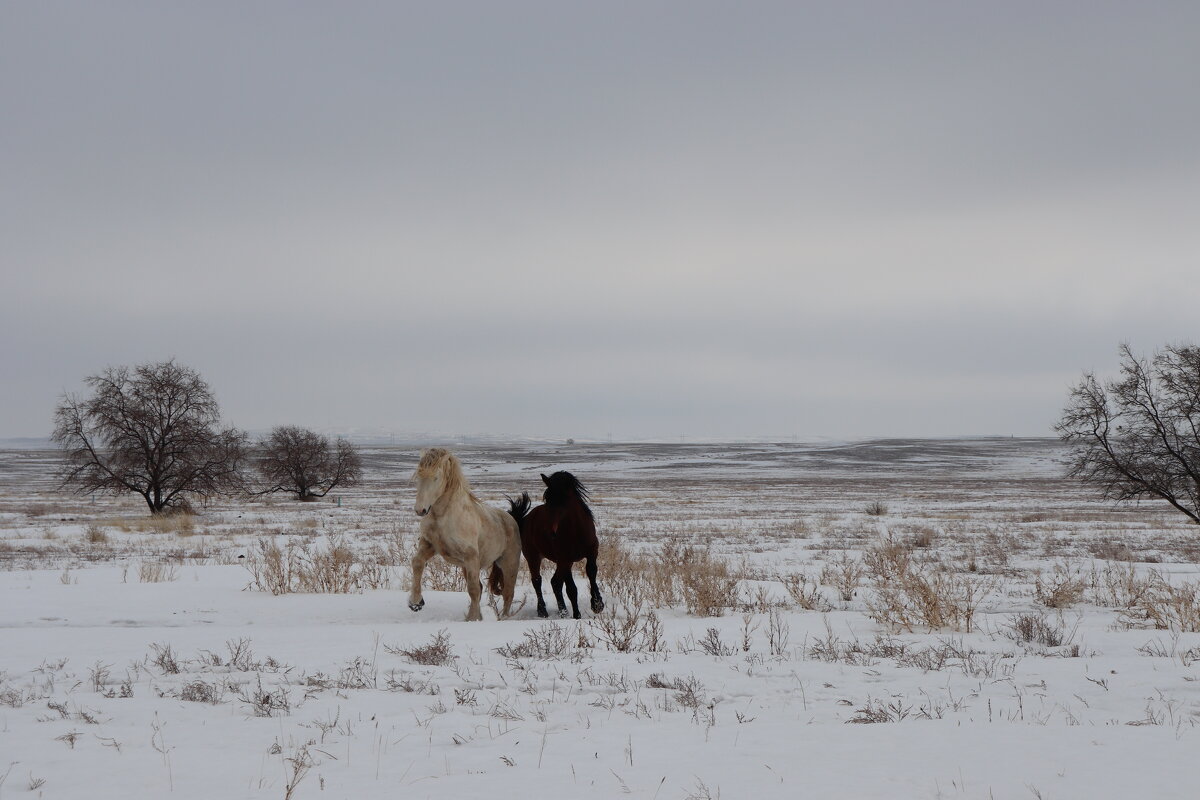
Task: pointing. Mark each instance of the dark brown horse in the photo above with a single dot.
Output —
(564, 531)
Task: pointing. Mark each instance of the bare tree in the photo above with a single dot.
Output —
(1138, 436)
(151, 430)
(305, 463)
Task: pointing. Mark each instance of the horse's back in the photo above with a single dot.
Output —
(569, 535)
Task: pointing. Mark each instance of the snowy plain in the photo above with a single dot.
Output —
(137, 659)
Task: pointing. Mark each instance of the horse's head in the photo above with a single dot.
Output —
(560, 487)
(435, 472)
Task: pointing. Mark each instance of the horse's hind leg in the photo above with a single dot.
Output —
(597, 600)
(470, 571)
(510, 566)
(563, 575)
(424, 552)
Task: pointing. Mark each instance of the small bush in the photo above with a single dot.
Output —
(1062, 588)
(875, 509)
(1036, 629)
(1167, 607)
(437, 652)
(1120, 585)
(906, 595)
(630, 628)
(805, 592)
(198, 691)
(265, 703)
(550, 641)
(336, 568)
(844, 573)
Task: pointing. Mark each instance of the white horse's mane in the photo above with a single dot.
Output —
(439, 458)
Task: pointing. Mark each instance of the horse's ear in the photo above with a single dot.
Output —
(545, 480)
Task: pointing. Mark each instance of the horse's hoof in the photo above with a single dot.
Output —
(417, 606)
(597, 606)
(543, 613)
(563, 613)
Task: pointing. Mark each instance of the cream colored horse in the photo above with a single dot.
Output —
(458, 527)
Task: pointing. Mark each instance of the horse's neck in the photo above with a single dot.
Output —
(458, 497)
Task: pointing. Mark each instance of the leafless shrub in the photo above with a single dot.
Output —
(922, 538)
(1062, 588)
(1036, 629)
(875, 508)
(272, 568)
(95, 534)
(907, 596)
(164, 658)
(549, 641)
(709, 587)
(1120, 585)
(437, 652)
(854, 652)
(298, 766)
(99, 674)
(70, 737)
(1109, 549)
(805, 592)
(689, 692)
(712, 644)
(13, 698)
(629, 628)
(407, 682)
(844, 573)
(198, 691)
(876, 711)
(266, 703)
(336, 568)
(703, 792)
(777, 632)
(1167, 607)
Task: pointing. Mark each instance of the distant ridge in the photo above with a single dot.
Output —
(27, 443)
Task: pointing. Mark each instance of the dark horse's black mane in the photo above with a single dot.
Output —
(561, 486)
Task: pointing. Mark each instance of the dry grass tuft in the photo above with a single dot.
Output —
(157, 572)
(336, 568)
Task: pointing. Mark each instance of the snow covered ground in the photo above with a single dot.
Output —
(137, 659)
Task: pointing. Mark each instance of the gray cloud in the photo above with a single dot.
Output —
(542, 218)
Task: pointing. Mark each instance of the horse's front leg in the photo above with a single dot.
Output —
(470, 569)
(424, 552)
(535, 577)
(597, 600)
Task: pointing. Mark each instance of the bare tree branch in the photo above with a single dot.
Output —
(1138, 436)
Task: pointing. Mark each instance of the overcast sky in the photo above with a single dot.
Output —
(639, 219)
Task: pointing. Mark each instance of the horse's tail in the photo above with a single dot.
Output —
(496, 579)
(519, 508)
